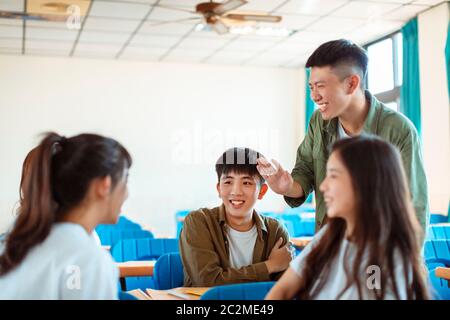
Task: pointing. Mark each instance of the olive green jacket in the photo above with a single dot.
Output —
(205, 252)
(313, 153)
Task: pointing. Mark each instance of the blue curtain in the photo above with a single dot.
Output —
(309, 109)
(410, 90)
(447, 57)
(309, 104)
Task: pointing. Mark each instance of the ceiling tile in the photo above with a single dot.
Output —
(145, 40)
(47, 24)
(405, 13)
(293, 47)
(266, 6)
(177, 29)
(164, 14)
(12, 5)
(374, 30)
(47, 53)
(11, 43)
(246, 45)
(199, 43)
(314, 37)
(428, 2)
(119, 10)
(51, 33)
(292, 21)
(10, 31)
(104, 50)
(181, 3)
(311, 7)
(187, 55)
(9, 51)
(213, 35)
(330, 24)
(48, 45)
(386, 1)
(11, 22)
(104, 37)
(105, 24)
(365, 10)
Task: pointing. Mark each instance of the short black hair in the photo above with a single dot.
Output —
(340, 52)
(239, 160)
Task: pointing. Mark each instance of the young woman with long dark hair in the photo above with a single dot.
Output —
(370, 246)
(71, 185)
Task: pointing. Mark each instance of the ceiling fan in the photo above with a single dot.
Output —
(219, 16)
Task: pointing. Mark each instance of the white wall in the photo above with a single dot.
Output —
(435, 104)
(175, 119)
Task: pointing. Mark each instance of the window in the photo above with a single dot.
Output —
(384, 74)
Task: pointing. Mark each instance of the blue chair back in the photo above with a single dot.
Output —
(108, 237)
(438, 218)
(126, 296)
(436, 253)
(439, 231)
(241, 291)
(168, 272)
(142, 249)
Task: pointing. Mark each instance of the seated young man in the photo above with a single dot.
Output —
(232, 243)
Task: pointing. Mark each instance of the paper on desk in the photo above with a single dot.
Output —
(196, 291)
(138, 293)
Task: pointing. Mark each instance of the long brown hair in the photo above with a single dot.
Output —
(55, 178)
(386, 227)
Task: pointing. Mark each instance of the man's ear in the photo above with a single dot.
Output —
(353, 83)
(102, 186)
(262, 191)
(218, 189)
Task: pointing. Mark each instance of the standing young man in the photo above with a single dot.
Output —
(345, 108)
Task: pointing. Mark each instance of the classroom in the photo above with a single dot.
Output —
(226, 149)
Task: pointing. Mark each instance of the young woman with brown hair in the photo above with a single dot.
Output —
(370, 246)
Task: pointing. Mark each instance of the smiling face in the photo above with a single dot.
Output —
(331, 94)
(338, 190)
(239, 192)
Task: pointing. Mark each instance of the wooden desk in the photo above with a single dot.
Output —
(443, 273)
(301, 242)
(136, 268)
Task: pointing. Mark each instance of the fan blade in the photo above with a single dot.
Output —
(158, 23)
(219, 26)
(227, 6)
(253, 17)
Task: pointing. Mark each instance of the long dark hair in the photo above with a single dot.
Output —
(55, 179)
(386, 227)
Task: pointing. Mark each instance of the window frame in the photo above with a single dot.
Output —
(392, 95)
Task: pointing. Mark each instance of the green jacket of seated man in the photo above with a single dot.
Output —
(232, 243)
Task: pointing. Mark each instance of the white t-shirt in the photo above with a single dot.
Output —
(337, 278)
(341, 132)
(241, 245)
(66, 265)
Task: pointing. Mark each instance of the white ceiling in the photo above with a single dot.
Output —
(132, 29)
